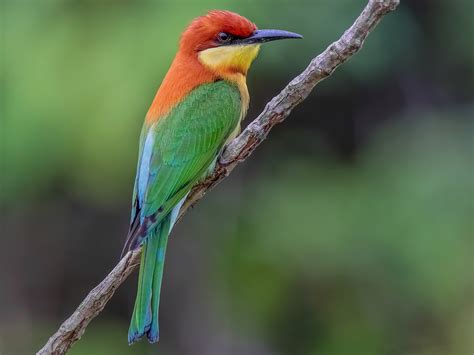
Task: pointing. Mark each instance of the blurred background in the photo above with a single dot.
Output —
(350, 230)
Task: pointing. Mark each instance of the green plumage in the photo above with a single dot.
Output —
(175, 153)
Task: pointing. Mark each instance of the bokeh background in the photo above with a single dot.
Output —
(349, 231)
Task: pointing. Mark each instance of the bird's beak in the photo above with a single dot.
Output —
(262, 36)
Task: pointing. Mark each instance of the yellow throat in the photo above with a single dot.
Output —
(229, 59)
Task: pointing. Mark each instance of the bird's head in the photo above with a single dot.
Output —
(225, 42)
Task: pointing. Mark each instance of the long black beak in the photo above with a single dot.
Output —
(262, 36)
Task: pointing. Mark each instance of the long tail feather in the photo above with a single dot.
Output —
(153, 333)
(145, 313)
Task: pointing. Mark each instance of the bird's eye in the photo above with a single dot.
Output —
(223, 37)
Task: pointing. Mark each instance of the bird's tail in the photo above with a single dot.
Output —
(145, 313)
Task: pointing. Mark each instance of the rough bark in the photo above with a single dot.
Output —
(237, 151)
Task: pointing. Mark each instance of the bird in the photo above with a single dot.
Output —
(197, 109)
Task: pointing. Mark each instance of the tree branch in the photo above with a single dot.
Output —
(237, 151)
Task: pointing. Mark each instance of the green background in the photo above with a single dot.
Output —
(349, 231)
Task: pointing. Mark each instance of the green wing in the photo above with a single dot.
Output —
(176, 151)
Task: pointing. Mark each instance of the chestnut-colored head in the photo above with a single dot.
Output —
(226, 42)
(204, 31)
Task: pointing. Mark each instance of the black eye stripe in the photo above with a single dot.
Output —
(225, 38)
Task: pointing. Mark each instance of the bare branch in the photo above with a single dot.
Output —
(237, 151)
(73, 327)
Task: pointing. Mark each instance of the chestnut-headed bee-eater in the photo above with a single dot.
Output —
(197, 109)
